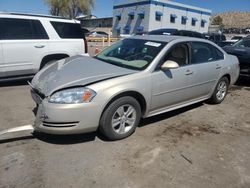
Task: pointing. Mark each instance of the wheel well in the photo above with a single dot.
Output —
(228, 77)
(139, 97)
(52, 57)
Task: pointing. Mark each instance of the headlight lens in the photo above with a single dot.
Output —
(73, 96)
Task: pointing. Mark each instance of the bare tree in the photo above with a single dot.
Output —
(70, 8)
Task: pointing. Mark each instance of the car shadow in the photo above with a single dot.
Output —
(167, 115)
(16, 139)
(66, 139)
(89, 137)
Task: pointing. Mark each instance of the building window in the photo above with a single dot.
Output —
(131, 15)
(172, 18)
(184, 20)
(194, 20)
(118, 16)
(127, 29)
(158, 15)
(203, 22)
(141, 14)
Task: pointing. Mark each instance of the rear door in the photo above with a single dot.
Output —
(2, 70)
(206, 64)
(24, 43)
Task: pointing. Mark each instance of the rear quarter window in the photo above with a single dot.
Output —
(68, 30)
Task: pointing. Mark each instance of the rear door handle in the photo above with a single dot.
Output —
(39, 46)
(188, 72)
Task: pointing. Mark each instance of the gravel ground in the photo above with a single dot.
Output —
(198, 146)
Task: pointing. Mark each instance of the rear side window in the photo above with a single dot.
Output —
(204, 52)
(38, 30)
(68, 30)
(22, 29)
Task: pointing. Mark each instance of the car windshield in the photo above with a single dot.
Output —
(131, 53)
(242, 43)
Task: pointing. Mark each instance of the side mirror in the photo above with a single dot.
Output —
(169, 65)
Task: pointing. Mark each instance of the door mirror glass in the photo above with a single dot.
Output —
(169, 65)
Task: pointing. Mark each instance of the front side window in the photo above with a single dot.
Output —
(131, 53)
(17, 29)
(178, 54)
(68, 30)
(204, 52)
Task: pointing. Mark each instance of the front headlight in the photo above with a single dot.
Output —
(73, 96)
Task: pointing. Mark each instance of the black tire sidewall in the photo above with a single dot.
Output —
(105, 122)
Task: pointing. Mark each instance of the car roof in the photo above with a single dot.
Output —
(167, 38)
(36, 16)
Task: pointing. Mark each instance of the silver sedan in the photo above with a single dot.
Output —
(135, 78)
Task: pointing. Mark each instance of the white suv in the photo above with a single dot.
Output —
(29, 42)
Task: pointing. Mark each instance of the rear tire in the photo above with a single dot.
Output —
(120, 118)
(220, 91)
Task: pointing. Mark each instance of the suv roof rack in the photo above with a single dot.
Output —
(34, 15)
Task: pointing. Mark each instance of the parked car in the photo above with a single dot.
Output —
(176, 32)
(241, 49)
(236, 38)
(29, 42)
(135, 78)
(225, 43)
(215, 37)
(188, 34)
(97, 34)
(166, 31)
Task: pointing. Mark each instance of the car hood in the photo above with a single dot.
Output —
(75, 71)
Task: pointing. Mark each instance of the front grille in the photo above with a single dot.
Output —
(60, 125)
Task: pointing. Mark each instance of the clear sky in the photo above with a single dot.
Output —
(104, 7)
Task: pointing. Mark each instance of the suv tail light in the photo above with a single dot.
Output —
(85, 45)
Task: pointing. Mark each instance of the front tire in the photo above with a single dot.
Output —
(121, 118)
(220, 91)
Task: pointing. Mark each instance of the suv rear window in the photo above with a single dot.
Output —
(68, 30)
(22, 29)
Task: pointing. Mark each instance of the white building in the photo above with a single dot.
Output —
(132, 16)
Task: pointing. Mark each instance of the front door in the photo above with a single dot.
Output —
(172, 87)
(22, 46)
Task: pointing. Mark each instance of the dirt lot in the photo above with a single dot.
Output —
(199, 146)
